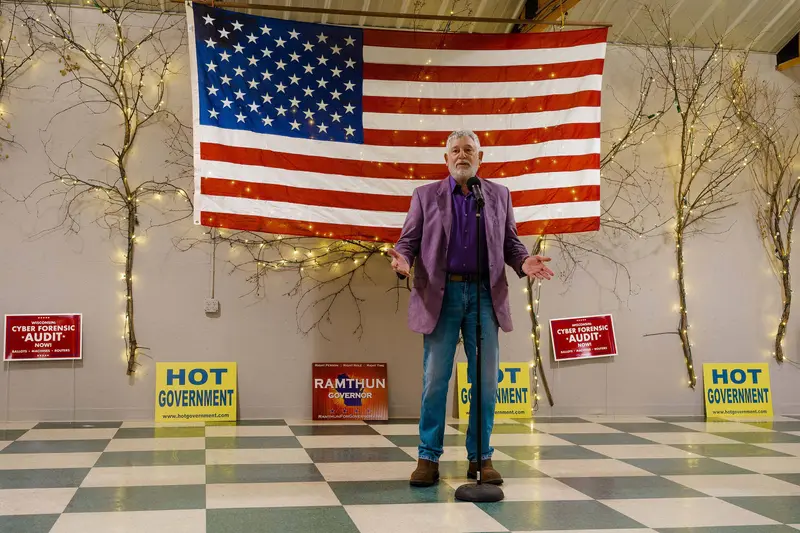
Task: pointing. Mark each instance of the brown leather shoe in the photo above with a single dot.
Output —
(488, 474)
(426, 474)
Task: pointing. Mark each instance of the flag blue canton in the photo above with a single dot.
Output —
(279, 77)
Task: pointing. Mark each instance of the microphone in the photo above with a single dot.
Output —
(474, 184)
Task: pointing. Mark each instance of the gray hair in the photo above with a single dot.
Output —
(463, 133)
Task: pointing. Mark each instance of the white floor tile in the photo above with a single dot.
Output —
(527, 439)
(4, 443)
(17, 425)
(69, 434)
(791, 448)
(690, 437)
(266, 456)
(538, 489)
(409, 429)
(309, 422)
(22, 461)
(686, 512)
(765, 465)
(186, 521)
(248, 431)
(254, 495)
(571, 428)
(641, 451)
(721, 427)
(621, 419)
(457, 453)
(422, 518)
(345, 441)
(132, 476)
(723, 486)
(586, 468)
(367, 471)
(34, 501)
(144, 445)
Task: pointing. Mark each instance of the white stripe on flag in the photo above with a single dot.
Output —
(389, 154)
(482, 58)
(357, 217)
(519, 121)
(512, 89)
(395, 187)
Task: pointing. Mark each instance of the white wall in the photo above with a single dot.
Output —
(733, 298)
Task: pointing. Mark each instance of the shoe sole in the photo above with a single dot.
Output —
(424, 483)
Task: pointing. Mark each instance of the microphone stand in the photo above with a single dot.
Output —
(479, 491)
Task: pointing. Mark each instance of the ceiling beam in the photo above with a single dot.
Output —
(765, 29)
(380, 14)
(701, 21)
(553, 12)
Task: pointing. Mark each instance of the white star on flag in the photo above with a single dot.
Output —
(226, 103)
(213, 113)
(209, 20)
(237, 26)
(240, 117)
(322, 127)
(267, 121)
(294, 35)
(265, 30)
(295, 125)
(224, 33)
(254, 107)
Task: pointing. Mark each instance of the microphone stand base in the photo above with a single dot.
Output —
(483, 492)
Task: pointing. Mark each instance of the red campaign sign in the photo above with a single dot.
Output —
(42, 337)
(350, 391)
(583, 337)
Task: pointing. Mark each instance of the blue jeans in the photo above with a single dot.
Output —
(459, 313)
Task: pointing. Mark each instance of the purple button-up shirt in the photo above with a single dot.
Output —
(461, 252)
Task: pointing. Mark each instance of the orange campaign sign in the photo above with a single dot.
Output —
(350, 391)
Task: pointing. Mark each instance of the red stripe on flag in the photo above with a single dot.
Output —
(297, 195)
(369, 233)
(375, 202)
(371, 169)
(281, 226)
(476, 41)
(488, 138)
(558, 225)
(574, 69)
(485, 106)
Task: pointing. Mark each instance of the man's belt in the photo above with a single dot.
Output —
(469, 278)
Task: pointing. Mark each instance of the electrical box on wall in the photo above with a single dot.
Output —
(212, 305)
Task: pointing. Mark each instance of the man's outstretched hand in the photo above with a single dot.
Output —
(534, 267)
(399, 263)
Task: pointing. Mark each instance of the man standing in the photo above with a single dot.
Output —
(439, 239)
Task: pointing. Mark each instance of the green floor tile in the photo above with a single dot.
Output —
(390, 492)
(394, 421)
(409, 441)
(760, 437)
(157, 433)
(508, 469)
(11, 434)
(680, 418)
(590, 439)
(557, 515)
(223, 443)
(729, 450)
(680, 467)
(38, 523)
(611, 488)
(784, 509)
(286, 520)
(647, 427)
(122, 499)
(153, 458)
(303, 431)
(42, 479)
(529, 453)
(265, 422)
(262, 473)
(76, 425)
(56, 446)
(357, 455)
(777, 425)
(730, 529)
(789, 478)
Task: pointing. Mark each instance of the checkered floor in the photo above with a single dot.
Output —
(606, 474)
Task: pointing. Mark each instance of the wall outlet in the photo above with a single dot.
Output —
(211, 305)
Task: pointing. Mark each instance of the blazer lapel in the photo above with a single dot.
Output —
(445, 201)
(489, 218)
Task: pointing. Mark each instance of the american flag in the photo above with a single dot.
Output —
(321, 130)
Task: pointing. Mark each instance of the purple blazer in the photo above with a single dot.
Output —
(426, 235)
